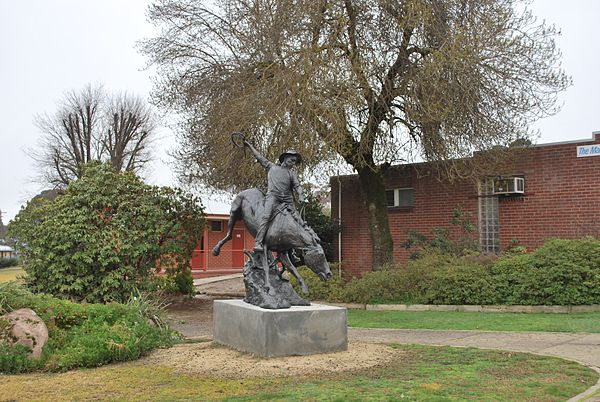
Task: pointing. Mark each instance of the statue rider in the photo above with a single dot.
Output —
(281, 181)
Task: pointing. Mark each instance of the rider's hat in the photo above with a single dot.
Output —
(291, 152)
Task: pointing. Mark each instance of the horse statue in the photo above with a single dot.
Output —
(286, 232)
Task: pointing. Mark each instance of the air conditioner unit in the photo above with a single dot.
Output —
(509, 185)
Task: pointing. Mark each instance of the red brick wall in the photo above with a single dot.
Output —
(224, 261)
(356, 241)
(434, 203)
(562, 199)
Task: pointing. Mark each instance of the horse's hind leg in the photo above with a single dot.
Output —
(233, 218)
(287, 264)
(265, 263)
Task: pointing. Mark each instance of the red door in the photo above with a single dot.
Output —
(197, 262)
(237, 257)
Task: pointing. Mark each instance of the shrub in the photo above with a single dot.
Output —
(102, 238)
(86, 335)
(181, 283)
(319, 290)
(381, 286)
(461, 283)
(15, 359)
(414, 283)
(561, 272)
(9, 262)
(456, 240)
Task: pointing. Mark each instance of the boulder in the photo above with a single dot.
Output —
(24, 327)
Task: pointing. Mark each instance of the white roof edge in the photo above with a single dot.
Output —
(547, 144)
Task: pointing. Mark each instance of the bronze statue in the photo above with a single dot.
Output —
(277, 227)
(280, 182)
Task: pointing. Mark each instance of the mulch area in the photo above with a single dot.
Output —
(192, 317)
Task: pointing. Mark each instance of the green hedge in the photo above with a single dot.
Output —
(83, 335)
(561, 272)
(9, 262)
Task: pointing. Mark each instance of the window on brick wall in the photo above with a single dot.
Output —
(489, 217)
(400, 197)
(216, 226)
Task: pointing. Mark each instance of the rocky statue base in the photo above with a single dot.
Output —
(299, 330)
(279, 294)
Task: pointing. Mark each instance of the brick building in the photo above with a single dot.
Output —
(231, 259)
(554, 191)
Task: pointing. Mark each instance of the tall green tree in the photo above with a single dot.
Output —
(368, 83)
(106, 236)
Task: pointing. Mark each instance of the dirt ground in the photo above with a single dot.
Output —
(193, 319)
(214, 360)
(230, 287)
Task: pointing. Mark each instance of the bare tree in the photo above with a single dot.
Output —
(91, 125)
(368, 82)
(126, 139)
(70, 137)
(2, 228)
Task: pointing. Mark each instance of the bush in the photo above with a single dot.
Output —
(86, 335)
(181, 283)
(384, 286)
(9, 262)
(461, 283)
(561, 272)
(458, 239)
(105, 236)
(319, 290)
(433, 278)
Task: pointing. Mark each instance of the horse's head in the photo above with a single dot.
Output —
(314, 258)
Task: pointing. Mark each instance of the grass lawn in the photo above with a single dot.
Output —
(10, 274)
(581, 322)
(421, 373)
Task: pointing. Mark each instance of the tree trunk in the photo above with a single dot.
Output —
(373, 189)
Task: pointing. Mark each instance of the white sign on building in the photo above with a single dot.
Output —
(588, 150)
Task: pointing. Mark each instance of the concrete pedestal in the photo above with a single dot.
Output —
(299, 330)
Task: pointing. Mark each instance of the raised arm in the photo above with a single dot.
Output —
(259, 157)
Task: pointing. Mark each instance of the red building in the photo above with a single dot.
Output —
(554, 191)
(231, 260)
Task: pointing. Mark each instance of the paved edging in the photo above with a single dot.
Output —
(471, 308)
(588, 391)
(214, 279)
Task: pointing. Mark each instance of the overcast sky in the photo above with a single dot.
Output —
(50, 46)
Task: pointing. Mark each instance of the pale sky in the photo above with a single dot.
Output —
(48, 47)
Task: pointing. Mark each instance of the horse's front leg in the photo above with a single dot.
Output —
(287, 264)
